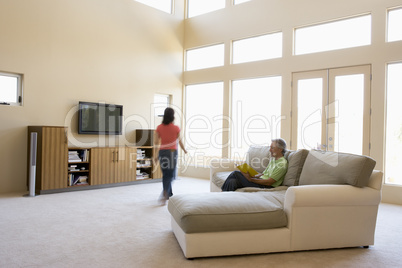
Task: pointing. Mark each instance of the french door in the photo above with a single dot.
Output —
(331, 110)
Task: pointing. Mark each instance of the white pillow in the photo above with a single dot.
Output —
(258, 157)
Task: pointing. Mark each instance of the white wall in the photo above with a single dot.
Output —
(264, 16)
(113, 51)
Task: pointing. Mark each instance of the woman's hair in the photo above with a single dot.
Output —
(281, 144)
(168, 116)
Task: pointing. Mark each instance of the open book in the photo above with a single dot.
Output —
(247, 169)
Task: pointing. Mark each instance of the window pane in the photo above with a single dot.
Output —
(205, 57)
(236, 2)
(9, 88)
(309, 113)
(258, 48)
(346, 33)
(393, 156)
(204, 106)
(163, 5)
(394, 25)
(161, 102)
(349, 95)
(256, 113)
(198, 7)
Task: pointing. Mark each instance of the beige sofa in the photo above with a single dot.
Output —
(328, 200)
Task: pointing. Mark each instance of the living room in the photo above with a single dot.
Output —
(125, 52)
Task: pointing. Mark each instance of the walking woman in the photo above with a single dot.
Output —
(167, 135)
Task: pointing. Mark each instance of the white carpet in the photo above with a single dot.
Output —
(125, 227)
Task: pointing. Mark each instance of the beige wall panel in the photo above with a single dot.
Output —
(120, 52)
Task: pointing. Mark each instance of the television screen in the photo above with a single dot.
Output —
(100, 118)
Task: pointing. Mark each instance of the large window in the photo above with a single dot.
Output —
(205, 57)
(163, 5)
(203, 127)
(198, 7)
(393, 157)
(256, 113)
(394, 25)
(351, 32)
(10, 89)
(257, 48)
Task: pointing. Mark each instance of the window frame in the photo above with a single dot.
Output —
(201, 156)
(387, 30)
(386, 127)
(19, 91)
(330, 22)
(235, 126)
(245, 1)
(203, 47)
(255, 37)
(188, 15)
(157, 8)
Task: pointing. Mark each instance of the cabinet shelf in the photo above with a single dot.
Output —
(80, 168)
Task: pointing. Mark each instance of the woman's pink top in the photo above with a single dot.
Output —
(168, 135)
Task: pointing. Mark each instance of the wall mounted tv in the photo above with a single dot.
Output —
(100, 118)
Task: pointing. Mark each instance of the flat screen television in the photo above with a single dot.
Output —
(100, 118)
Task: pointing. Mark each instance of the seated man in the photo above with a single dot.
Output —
(272, 176)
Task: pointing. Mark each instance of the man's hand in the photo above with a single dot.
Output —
(247, 176)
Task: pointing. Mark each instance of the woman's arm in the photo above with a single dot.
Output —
(181, 143)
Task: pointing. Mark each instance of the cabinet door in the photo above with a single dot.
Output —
(103, 165)
(126, 164)
(54, 158)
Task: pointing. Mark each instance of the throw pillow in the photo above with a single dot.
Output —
(258, 157)
(336, 168)
(296, 161)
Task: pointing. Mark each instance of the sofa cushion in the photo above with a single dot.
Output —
(220, 177)
(258, 157)
(228, 211)
(296, 161)
(336, 168)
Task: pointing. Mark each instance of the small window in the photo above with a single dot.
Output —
(206, 57)
(163, 5)
(257, 48)
(198, 7)
(394, 25)
(161, 102)
(236, 2)
(346, 33)
(10, 89)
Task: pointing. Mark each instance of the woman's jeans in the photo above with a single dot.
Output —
(168, 163)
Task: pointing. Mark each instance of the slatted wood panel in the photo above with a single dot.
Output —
(54, 158)
(102, 165)
(126, 165)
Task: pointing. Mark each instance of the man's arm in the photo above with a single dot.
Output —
(265, 182)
